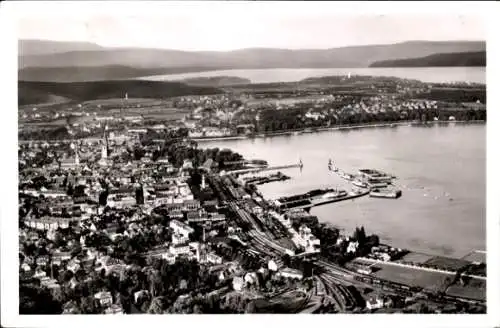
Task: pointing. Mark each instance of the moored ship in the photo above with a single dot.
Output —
(346, 176)
(375, 175)
(385, 193)
(328, 196)
(359, 183)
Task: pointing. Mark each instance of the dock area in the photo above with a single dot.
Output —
(263, 169)
(304, 202)
(378, 183)
(258, 180)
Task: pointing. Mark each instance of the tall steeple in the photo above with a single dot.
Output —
(104, 151)
(77, 156)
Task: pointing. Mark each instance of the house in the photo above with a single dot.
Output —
(272, 266)
(374, 303)
(238, 283)
(178, 239)
(188, 164)
(251, 278)
(104, 298)
(140, 294)
(181, 228)
(352, 247)
(114, 309)
(25, 267)
(42, 260)
(39, 274)
(61, 256)
(209, 165)
(214, 258)
(73, 266)
(177, 250)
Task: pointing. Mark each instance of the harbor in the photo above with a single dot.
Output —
(379, 184)
(317, 198)
(259, 180)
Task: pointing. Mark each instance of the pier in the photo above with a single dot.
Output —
(263, 169)
(256, 180)
(308, 203)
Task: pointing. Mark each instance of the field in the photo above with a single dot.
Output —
(415, 258)
(446, 263)
(475, 257)
(121, 101)
(286, 242)
(285, 101)
(289, 302)
(475, 289)
(411, 277)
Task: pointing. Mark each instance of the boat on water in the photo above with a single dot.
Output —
(346, 176)
(375, 175)
(385, 193)
(376, 184)
(332, 166)
(359, 183)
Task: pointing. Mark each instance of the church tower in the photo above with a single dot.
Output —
(77, 156)
(104, 150)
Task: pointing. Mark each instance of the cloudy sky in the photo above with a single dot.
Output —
(221, 26)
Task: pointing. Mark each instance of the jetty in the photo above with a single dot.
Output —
(263, 169)
(304, 202)
(256, 180)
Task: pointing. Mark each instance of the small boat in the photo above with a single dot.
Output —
(385, 193)
(359, 183)
(346, 176)
(377, 184)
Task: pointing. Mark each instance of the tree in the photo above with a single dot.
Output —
(139, 195)
(157, 305)
(69, 191)
(103, 198)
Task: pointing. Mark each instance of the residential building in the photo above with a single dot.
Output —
(104, 298)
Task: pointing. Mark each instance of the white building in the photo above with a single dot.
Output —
(181, 228)
(374, 303)
(214, 258)
(104, 298)
(180, 250)
(238, 283)
(352, 247)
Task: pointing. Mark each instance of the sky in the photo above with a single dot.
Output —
(227, 27)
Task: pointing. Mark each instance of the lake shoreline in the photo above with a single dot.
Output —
(334, 128)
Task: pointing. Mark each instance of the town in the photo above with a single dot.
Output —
(122, 212)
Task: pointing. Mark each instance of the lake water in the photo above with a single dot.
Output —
(441, 171)
(425, 74)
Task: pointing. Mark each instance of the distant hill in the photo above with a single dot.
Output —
(43, 47)
(216, 81)
(84, 55)
(438, 60)
(44, 92)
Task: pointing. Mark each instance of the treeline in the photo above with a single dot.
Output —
(280, 121)
(438, 60)
(85, 91)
